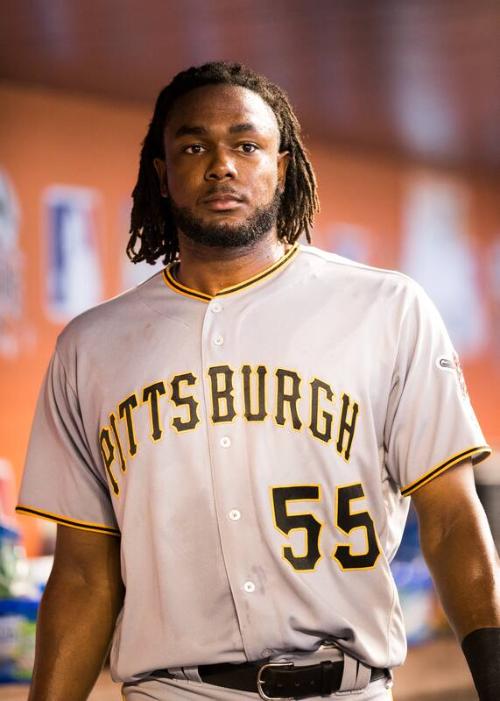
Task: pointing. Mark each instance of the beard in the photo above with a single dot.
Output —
(243, 235)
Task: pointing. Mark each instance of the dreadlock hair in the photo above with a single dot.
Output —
(152, 227)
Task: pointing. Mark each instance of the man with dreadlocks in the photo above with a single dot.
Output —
(228, 448)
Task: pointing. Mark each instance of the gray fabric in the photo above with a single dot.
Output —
(172, 690)
(216, 566)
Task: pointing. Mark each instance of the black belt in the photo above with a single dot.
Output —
(277, 680)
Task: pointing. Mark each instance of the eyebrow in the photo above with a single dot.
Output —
(193, 130)
(187, 130)
(238, 128)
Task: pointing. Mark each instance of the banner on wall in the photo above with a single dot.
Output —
(73, 281)
(439, 253)
(11, 269)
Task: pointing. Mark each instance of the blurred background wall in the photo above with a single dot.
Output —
(400, 105)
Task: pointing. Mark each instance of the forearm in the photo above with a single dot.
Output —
(458, 546)
(465, 568)
(74, 629)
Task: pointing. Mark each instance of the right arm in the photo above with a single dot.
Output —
(77, 615)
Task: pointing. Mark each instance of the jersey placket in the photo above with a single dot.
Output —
(235, 512)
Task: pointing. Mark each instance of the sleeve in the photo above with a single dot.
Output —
(430, 423)
(61, 481)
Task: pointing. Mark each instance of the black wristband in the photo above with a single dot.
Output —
(482, 652)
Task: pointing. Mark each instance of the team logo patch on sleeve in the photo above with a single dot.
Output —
(445, 363)
(453, 363)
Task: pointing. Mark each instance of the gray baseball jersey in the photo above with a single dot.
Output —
(253, 450)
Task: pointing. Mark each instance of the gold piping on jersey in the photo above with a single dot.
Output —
(72, 523)
(175, 285)
(171, 282)
(483, 450)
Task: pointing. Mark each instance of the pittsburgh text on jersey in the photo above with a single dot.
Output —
(253, 394)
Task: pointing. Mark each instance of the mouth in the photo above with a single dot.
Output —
(222, 201)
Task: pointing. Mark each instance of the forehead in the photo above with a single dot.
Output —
(220, 107)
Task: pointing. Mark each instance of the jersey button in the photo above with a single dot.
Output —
(218, 340)
(249, 587)
(216, 307)
(234, 515)
(225, 441)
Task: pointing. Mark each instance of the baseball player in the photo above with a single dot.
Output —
(229, 448)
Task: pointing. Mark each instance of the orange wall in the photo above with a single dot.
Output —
(48, 138)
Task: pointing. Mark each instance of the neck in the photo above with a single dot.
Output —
(211, 269)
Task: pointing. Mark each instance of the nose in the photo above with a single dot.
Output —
(221, 166)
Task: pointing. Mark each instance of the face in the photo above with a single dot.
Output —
(223, 172)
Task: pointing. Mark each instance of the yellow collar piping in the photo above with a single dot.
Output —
(175, 285)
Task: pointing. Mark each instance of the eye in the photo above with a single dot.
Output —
(248, 147)
(194, 149)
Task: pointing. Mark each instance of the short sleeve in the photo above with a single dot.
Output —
(430, 424)
(61, 482)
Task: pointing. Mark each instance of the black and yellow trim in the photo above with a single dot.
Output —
(170, 281)
(64, 521)
(478, 452)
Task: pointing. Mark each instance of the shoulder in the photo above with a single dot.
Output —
(109, 320)
(358, 278)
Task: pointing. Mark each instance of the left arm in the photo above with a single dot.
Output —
(458, 547)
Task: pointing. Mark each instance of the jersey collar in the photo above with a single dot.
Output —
(170, 281)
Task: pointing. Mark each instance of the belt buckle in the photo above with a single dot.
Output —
(260, 690)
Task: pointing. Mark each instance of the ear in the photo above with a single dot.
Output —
(161, 169)
(283, 160)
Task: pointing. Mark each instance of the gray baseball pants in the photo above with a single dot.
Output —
(177, 690)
